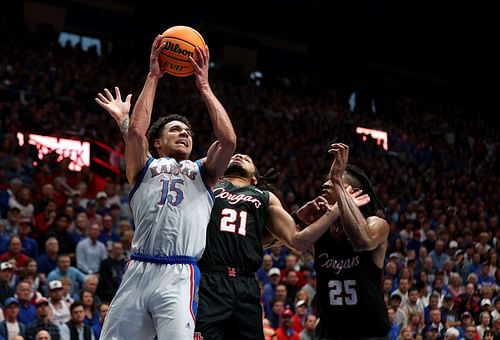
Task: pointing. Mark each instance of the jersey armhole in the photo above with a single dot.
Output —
(139, 178)
(201, 167)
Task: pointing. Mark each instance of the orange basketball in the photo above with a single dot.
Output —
(180, 45)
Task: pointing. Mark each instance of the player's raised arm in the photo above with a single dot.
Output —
(283, 226)
(117, 108)
(365, 233)
(136, 150)
(220, 152)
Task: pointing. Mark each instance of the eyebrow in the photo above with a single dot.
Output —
(187, 128)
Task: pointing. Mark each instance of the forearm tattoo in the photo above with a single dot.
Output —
(124, 128)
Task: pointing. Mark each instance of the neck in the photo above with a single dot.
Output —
(238, 181)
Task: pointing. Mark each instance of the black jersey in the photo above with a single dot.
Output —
(234, 234)
(349, 295)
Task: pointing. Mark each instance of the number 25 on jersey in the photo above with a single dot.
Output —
(343, 292)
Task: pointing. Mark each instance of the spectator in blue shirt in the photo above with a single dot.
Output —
(30, 246)
(47, 262)
(27, 312)
(484, 277)
(267, 263)
(64, 269)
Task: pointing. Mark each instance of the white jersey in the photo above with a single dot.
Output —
(171, 207)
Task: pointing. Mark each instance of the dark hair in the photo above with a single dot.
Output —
(76, 304)
(155, 130)
(62, 215)
(358, 178)
(264, 181)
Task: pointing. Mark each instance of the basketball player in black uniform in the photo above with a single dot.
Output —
(229, 295)
(229, 300)
(349, 259)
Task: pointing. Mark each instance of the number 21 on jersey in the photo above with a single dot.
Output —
(230, 218)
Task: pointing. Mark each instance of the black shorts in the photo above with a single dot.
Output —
(323, 331)
(229, 307)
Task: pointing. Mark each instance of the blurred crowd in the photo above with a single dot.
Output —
(65, 237)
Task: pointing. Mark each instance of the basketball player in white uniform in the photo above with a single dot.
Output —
(171, 202)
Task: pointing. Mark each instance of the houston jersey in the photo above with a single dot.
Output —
(238, 219)
(349, 294)
(171, 208)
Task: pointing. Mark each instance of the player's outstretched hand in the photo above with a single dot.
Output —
(117, 108)
(312, 210)
(340, 153)
(357, 194)
(154, 64)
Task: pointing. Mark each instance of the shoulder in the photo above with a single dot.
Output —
(274, 201)
(379, 223)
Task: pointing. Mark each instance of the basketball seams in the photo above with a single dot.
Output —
(165, 54)
(177, 38)
(198, 34)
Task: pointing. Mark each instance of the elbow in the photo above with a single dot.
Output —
(229, 141)
(364, 245)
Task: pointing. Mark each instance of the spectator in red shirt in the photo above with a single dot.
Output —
(299, 319)
(285, 331)
(15, 253)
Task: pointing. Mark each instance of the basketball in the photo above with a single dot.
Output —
(180, 45)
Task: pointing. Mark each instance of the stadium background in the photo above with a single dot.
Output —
(425, 73)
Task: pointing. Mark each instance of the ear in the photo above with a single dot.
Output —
(253, 180)
(156, 143)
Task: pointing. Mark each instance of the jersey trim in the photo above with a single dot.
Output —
(201, 166)
(176, 259)
(139, 178)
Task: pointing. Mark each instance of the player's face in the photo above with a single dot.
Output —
(328, 192)
(241, 165)
(244, 160)
(175, 140)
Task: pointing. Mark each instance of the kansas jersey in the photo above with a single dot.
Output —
(171, 208)
(239, 216)
(349, 297)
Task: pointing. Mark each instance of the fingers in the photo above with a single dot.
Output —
(207, 52)
(103, 99)
(354, 192)
(109, 95)
(117, 93)
(362, 200)
(202, 55)
(339, 148)
(128, 99)
(100, 102)
(321, 199)
(158, 46)
(156, 43)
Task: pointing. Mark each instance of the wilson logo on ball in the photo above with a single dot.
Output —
(177, 49)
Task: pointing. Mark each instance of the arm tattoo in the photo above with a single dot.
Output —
(124, 129)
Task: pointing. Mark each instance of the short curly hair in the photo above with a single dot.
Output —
(155, 130)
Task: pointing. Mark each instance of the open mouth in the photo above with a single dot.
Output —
(182, 142)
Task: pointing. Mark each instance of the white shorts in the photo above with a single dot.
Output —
(154, 299)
